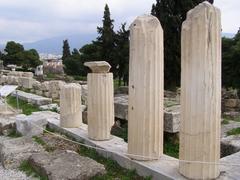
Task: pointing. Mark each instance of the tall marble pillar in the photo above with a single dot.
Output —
(201, 93)
(145, 112)
(100, 101)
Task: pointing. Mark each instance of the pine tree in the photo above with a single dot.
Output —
(171, 14)
(122, 54)
(230, 61)
(105, 40)
(66, 50)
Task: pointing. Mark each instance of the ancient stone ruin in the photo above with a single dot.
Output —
(100, 101)
(148, 109)
(145, 109)
(201, 93)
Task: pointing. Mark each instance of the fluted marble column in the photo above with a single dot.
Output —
(201, 92)
(145, 112)
(100, 100)
(70, 106)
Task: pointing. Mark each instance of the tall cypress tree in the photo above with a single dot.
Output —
(66, 50)
(105, 40)
(122, 53)
(171, 14)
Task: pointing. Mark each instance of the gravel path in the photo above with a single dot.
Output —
(12, 175)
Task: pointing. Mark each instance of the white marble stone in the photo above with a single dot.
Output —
(201, 93)
(145, 111)
(70, 106)
(100, 105)
(98, 66)
(26, 82)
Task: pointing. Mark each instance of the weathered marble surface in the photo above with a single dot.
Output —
(70, 106)
(98, 66)
(201, 92)
(145, 110)
(100, 105)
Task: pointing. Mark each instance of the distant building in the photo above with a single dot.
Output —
(53, 66)
(39, 70)
(44, 57)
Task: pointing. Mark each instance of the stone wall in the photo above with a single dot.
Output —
(25, 80)
(230, 100)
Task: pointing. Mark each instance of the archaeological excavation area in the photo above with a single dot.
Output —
(77, 130)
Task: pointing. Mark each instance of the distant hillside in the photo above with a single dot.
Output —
(54, 45)
(2, 47)
(228, 35)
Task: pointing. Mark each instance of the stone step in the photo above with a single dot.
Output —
(32, 98)
(171, 112)
(65, 165)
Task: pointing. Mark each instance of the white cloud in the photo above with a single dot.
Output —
(28, 20)
(230, 14)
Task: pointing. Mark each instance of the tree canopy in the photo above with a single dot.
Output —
(66, 50)
(15, 54)
(171, 14)
(122, 53)
(109, 46)
(231, 61)
(106, 40)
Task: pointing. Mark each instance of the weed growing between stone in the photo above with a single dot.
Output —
(14, 134)
(229, 118)
(171, 145)
(26, 108)
(47, 147)
(235, 131)
(114, 170)
(225, 121)
(171, 141)
(29, 170)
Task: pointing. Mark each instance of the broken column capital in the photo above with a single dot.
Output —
(98, 66)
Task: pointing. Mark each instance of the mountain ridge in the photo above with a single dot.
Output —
(54, 45)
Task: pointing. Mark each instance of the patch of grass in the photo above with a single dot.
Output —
(229, 118)
(170, 103)
(23, 105)
(49, 129)
(116, 83)
(171, 141)
(51, 76)
(54, 110)
(14, 134)
(39, 140)
(234, 131)
(114, 170)
(47, 147)
(80, 78)
(27, 168)
(121, 132)
(171, 145)
(225, 121)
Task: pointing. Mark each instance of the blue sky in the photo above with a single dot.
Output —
(29, 21)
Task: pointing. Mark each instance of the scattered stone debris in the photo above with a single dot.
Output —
(14, 151)
(6, 124)
(32, 98)
(29, 125)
